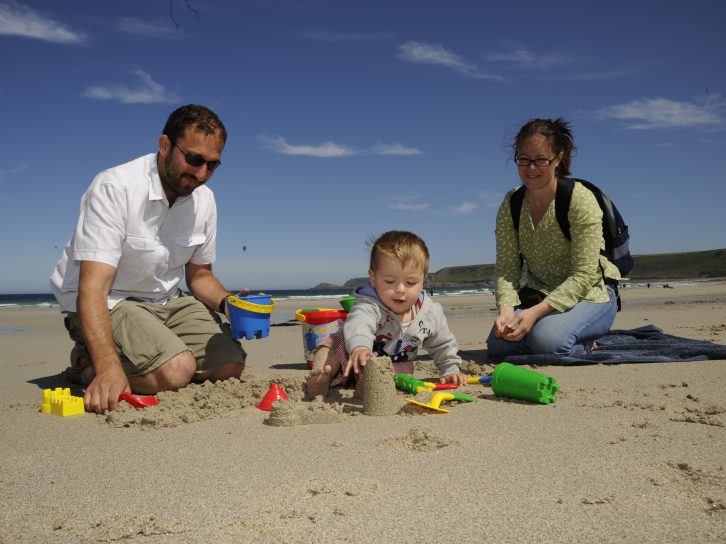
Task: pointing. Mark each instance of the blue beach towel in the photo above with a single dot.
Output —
(647, 344)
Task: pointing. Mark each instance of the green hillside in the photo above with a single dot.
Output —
(662, 266)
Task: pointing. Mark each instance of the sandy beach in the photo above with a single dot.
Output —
(628, 453)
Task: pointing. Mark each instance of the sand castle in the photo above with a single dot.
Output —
(379, 391)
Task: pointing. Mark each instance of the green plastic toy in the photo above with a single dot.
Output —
(516, 382)
(409, 384)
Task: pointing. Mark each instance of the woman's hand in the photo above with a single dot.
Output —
(501, 323)
(522, 323)
(519, 326)
(357, 360)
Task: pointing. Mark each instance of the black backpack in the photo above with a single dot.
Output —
(614, 229)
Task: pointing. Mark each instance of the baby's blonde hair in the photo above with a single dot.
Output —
(403, 246)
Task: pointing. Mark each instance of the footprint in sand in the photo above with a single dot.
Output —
(419, 439)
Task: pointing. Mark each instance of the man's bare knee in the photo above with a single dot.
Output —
(174, 374)
(179, 370)
(222, 372)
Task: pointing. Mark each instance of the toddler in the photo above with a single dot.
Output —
(392, 316)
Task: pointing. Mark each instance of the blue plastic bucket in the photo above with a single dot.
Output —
(249, 316)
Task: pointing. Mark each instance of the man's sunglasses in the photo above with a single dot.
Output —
(197, 160)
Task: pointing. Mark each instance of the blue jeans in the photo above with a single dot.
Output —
(561, 333)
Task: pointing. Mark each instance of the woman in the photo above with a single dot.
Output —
(551, 292)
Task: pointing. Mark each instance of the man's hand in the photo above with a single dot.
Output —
(103, 392)
(357, 360)
(243, 293)
(205, 286)
(110, 381)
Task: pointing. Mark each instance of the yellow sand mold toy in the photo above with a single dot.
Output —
(60, 402)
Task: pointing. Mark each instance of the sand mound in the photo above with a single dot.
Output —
(420, 439)
(287, 413)
(199, 402)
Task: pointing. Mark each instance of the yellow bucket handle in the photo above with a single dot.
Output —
(251, 306)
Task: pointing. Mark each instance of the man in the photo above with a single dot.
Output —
(142, 227)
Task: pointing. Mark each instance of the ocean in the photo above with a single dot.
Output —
(47, 300)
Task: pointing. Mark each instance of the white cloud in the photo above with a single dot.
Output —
(409, 207)
(395, 149)
(147, 91)
(525, 57)
(330, 149)
(14, 170)
(661, 113)
(464, 208)
(614, 73)
(21, 20)
(491, 200)
(521, 56)
(335, 37)
(140, 27)
(424, 53)
(324, 150)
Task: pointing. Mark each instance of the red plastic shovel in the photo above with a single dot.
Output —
(445, 386)
(138, 402)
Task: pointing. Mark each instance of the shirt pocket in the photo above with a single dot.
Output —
(140, 256)
(183, 248)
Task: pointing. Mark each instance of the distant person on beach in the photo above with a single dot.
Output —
(559, 302)
(142, 227)
(392, 316)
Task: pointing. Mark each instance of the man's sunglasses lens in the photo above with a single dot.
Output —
(197, 160)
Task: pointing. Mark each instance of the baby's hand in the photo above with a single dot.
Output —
(458, 379)
(358, 359)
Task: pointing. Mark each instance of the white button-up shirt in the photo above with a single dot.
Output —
(126, 222)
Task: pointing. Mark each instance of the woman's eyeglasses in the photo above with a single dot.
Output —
(197, 160)
(541, 163)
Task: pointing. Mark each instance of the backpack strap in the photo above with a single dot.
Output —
(515, 205)
(563, 197)
(515, 208)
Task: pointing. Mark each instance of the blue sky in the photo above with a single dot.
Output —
(347, 119)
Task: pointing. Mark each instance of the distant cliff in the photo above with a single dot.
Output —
(662, 266)
(678, 266)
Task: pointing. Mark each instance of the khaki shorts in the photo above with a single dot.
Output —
(147, 335)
